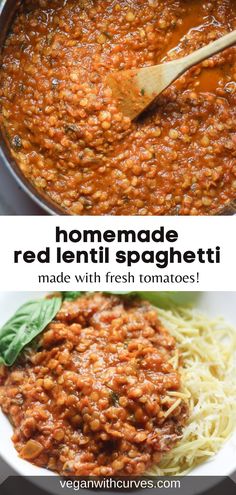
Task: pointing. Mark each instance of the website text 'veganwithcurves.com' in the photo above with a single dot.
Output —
(110, 483)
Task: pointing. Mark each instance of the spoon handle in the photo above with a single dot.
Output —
(209, 50)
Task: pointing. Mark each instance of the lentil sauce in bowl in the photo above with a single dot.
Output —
(66, 133)
(92, 396)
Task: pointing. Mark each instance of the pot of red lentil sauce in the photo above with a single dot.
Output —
(63, 134)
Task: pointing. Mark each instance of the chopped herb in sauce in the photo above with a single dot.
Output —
(55, 83)
(114, 398)
(16, 143)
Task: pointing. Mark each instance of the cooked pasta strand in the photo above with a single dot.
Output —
(208, 349)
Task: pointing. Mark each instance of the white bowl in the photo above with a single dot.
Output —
(223, 464)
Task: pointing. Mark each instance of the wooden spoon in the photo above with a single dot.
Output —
(136, 89)
(228, 209)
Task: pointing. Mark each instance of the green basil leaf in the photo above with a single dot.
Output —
(28, 321)
(163, 299)
(71, 296)
(120, 293)
(167, 299)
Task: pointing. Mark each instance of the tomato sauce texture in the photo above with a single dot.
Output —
(97, 393)
(67, 134)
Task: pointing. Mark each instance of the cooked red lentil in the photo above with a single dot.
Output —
(67, 134)
(92, 397)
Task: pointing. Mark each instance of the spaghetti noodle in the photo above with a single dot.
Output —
(207, 349)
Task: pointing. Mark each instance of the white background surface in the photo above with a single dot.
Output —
(202, 232)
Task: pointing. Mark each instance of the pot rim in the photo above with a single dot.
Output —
(5, 154)
(39, 197)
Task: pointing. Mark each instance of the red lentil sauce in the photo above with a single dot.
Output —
(91, 396)
(67, 134)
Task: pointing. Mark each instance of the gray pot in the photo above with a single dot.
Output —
(7, 11)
